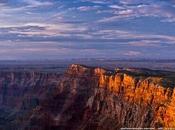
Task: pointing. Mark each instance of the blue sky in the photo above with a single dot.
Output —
(65, 29)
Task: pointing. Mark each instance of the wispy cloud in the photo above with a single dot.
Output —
(82, 28)
(37, 3)
(134, 9)
(88, 8)
(132, 53)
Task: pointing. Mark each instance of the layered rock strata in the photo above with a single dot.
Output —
(89, 98)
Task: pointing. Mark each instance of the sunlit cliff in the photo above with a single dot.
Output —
(142, 100)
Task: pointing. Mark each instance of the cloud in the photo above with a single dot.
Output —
(71, 32)
(97, 1)
(116, 7)
(134, 9)
(36, 3)
(132, 53)
(145, 43)
(88, 8)
(98, 28)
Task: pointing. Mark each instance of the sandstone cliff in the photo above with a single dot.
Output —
(89, 98)
(94, 98)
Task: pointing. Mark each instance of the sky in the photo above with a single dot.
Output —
(66, 29)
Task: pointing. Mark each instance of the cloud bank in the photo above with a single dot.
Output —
(87, 28)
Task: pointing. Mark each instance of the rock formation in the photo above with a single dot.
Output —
(88, 98)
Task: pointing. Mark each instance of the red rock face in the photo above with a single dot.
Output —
(86, 98)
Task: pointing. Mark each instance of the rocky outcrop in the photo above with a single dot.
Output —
(150, 100)
(14, 85)
(21, 92)
(94, 98)
(89, 98)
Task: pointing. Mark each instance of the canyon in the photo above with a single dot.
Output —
(87, 98)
